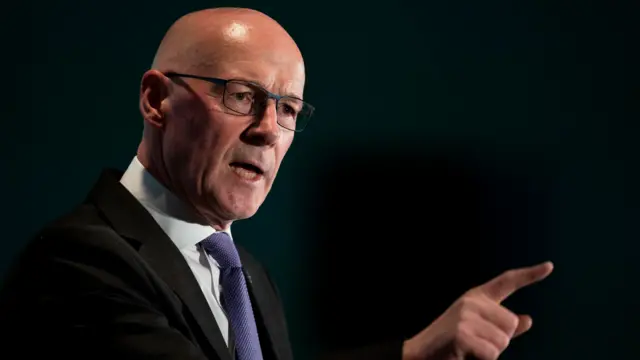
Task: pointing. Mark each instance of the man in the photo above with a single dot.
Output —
(146, 268)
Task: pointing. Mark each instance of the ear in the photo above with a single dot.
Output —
(154, 90)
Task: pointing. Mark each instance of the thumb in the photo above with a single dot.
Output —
(524, 324)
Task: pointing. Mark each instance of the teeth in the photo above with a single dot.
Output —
(244, 173)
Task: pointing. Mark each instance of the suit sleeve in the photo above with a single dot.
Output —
(79, 294)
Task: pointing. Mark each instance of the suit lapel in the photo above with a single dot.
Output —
(175, 271)
(272, 331)
(131, 220)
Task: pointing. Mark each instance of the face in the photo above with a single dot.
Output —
(223, 163)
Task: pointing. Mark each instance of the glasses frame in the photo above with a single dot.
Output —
(270, 95)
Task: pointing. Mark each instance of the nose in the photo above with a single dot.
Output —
(265, 131)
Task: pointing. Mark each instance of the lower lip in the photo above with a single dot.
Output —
(246, 175)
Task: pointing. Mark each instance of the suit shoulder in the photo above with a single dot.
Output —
(84, 226)
(81, 234)
(79, 248)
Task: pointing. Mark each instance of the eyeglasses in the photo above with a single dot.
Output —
(248, 98)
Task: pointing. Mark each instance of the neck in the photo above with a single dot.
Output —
(156, 168)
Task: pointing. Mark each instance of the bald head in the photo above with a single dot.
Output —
(202, 40)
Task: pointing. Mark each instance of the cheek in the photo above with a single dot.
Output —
(191, 121)
(191, 136)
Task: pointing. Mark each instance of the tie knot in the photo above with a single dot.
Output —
(220, 246)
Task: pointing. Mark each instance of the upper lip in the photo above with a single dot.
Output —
(252, 163)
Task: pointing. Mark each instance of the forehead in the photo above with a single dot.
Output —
(275, 64)
(284, 78)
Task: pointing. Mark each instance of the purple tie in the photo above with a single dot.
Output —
(235, 295)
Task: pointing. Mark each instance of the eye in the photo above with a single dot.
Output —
(242, 96)
(289, 107)
(289, 110)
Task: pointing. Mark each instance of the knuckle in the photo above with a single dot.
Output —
(465, 315)
(467, 302)
(486, 351)
(493, 353)
(466, 308)
(512, 322)
(502, 341)
(463, 332)
(471, 293)
(509, 274)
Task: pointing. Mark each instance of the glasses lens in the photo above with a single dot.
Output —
(241, 97)
(294, 114)
(249, 99)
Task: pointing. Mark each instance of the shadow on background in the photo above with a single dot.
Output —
(402, 235)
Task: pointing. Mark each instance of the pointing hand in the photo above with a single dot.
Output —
(477, 325)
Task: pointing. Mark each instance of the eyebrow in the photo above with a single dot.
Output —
(289, 94)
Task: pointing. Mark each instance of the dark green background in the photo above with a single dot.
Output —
(540, 90)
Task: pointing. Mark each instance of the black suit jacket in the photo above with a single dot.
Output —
(106, 282)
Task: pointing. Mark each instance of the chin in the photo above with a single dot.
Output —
(245, 214)
(233, 206)
(240, 211)
(229, 198)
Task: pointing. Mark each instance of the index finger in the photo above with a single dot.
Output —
(502, 286)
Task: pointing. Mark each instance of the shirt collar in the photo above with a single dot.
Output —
(183, 226)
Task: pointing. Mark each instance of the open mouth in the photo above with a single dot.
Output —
(246, 171)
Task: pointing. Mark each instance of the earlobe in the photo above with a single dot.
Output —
(153, 91)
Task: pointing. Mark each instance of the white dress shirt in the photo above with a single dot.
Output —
(185, 229)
